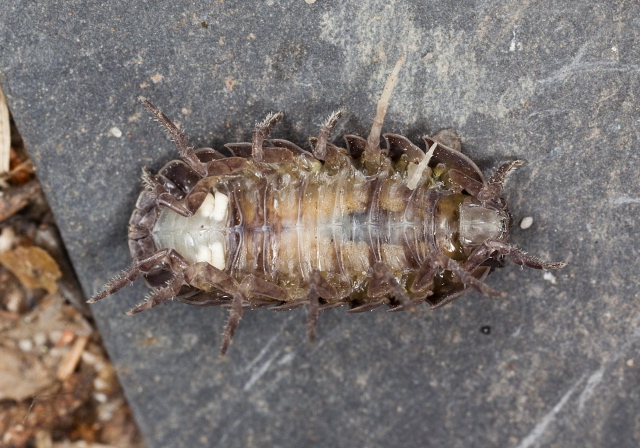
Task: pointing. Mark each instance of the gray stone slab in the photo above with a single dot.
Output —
(552, 82)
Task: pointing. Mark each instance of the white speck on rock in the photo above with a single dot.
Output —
(548, 276)
(116, 132)
(515, 45)
(526, 222)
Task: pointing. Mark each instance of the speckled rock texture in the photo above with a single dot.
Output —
(553, 82)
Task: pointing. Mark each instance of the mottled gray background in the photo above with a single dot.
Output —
(554, 82)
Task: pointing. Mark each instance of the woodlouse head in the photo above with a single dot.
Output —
(481, 221)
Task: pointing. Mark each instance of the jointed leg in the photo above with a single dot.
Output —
(474, 261)
(383, 282)
(423, 282)
(188, 205)
(162, 195)
(140, 267)
(160, 295)
(496, 182)
(465, 276)
(235, 314)
(318, 287)
(313, 310)
(204, 276)
(370, 306)
(487, 192)
(320, 150)
(519, 257)
(250, 286)
(261, 132)
(186, 152)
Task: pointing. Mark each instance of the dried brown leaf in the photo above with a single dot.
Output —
(34, 267)
(22, 375)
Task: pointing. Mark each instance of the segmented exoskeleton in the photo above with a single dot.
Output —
(275, 225)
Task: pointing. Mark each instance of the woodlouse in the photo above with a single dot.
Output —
(275, 225)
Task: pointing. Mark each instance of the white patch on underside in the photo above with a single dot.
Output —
(220, 209)
(217, 255)
(199, 238)
(208, 205)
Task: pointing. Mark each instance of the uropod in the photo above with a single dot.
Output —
(267, 223)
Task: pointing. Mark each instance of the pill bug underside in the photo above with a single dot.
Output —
(266, 223)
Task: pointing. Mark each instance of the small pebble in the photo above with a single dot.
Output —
(7, 239)
(40, 339)
(65, 337)
(526, 222)
(55, 336)
(14, 301)
(89, 358)
(100, 384)
(116, 132)
(25, 345)
(93, 360)
(102, 398)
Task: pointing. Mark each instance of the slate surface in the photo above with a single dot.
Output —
(552, 82)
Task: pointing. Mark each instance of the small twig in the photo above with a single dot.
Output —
(69, 363)
(8, 315)
(33, 402)
(23, 167)
(5, 135)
